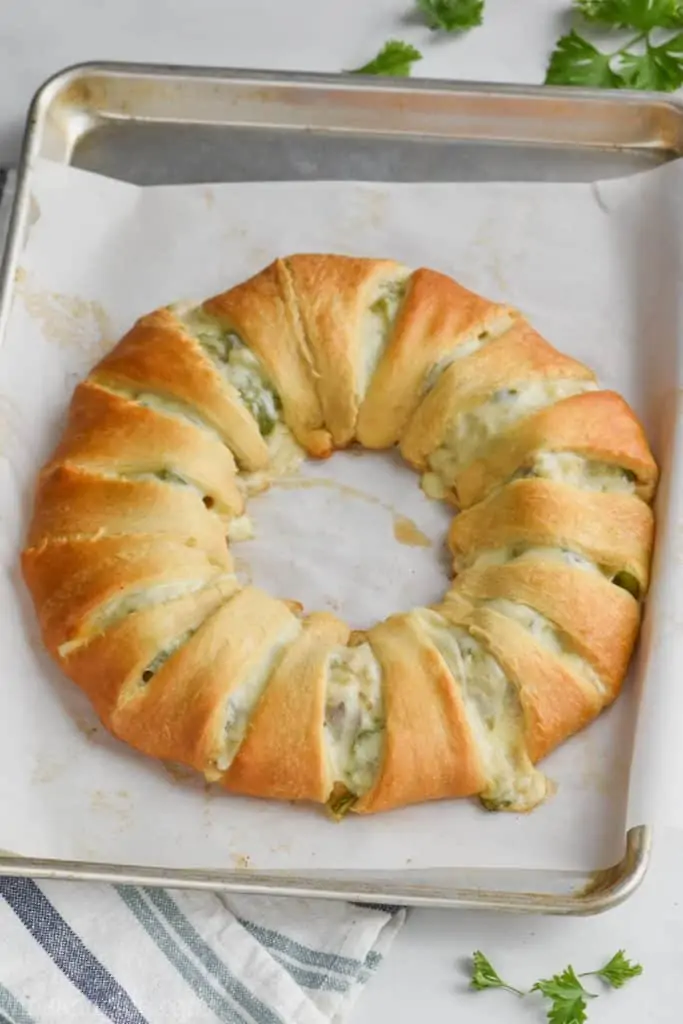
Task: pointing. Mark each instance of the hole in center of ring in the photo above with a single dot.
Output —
(354, 535)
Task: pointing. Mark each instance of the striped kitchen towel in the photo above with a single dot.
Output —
(80, 954)
(88, 954)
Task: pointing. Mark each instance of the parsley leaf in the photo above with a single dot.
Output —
(643, 15)
(575, 61)
(395, 58)
(568, 997)
(485, 976)
(659, 67)
(617, 971)
(452, 15)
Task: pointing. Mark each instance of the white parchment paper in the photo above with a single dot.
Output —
(597, 270)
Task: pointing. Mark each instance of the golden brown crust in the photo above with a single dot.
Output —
(107, 433)
(613, 530)
(72, 581)
(333, 295)
(518, 357)
(180, 714)
(429, 751)
(131, 577)
(437, 315)
(598, 425)
(599, 619)
(114, 661)
(159, 356)
(72, 502)
(283, 756)
(555, 701)
(264, 314)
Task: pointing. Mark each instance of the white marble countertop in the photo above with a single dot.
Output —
(424, 973)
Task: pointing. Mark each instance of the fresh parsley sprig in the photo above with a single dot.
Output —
(485, 976)
(616, 971)
(638, 63)
(452, 15)
(568, 997)
(396, 58)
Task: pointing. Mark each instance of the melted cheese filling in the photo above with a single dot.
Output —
(496, 326)
(246, 695)
(239, 529)
(524, 552)
(495, 716)
(164, 655)
(477, 426)
(284, 457)
(112, 612)
(354, 717)
(166, 406)
(549, 637)
(241, 368)
(236, 363)
(578, 471)
(378, 325)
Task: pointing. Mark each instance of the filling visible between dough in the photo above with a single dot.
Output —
(112, 612)
(240, 528)
(243, 371)
(246, 694)
(530, 552)
(481, 336)
(579, 471)
(475, 427)
(164, 655)
(378, 325)
(354, 717)
(285, 455)
(166, 406)
(237, 364)
(549, 636)
(495, 716)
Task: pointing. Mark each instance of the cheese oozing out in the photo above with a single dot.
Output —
(245, 695)
(481, 336)
(579, 471)
(475, 427)
(248, 379)
(494, 714)
(378, 325)
(354, 717)
(548, 636)
(113, 611)
(523, 551)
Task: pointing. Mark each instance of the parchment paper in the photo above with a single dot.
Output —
(597, 270)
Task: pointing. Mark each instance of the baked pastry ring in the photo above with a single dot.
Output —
(197, 406)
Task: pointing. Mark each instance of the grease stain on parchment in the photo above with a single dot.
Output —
(67, 320)
(180, 773)
(32, 218)
(87, 728)
(47, 769)
(407, 532)
(117, 805)
(404, 530)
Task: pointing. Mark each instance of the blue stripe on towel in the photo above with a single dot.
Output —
(75, 961)
(171, 913)
(11, 1006)
(184, 965)
(280, 943)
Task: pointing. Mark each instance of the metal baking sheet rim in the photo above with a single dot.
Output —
(576, 895)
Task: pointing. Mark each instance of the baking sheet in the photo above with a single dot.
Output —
(595, 269)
